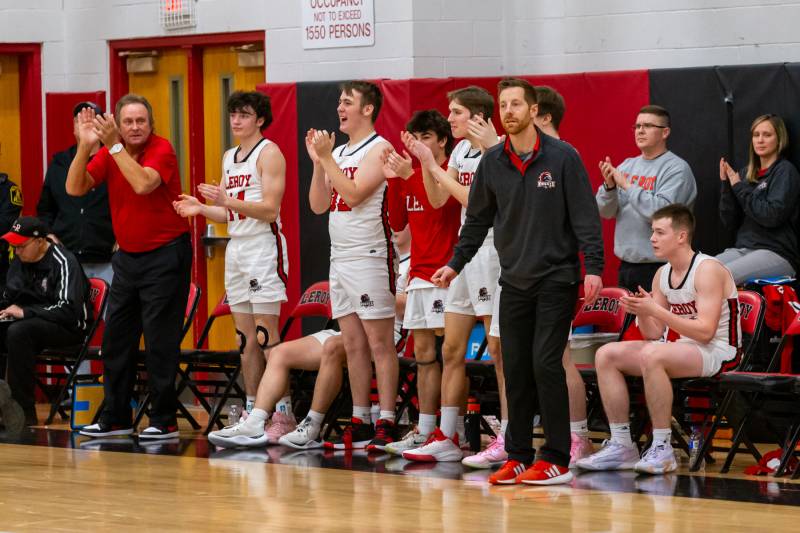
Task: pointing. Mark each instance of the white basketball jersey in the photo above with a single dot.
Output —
(682, 302)
(464, 158)
(242, 181)
(361, 231)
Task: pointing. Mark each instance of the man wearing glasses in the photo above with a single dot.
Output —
(639, 187)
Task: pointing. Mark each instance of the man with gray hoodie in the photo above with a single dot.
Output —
(639, 187)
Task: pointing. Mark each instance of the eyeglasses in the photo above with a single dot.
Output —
(646, 126)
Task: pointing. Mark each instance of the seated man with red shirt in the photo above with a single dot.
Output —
(434, 233)
(152, 268)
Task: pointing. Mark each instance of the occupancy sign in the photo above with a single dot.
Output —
(338, 23)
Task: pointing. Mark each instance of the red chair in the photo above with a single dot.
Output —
(314, 302)
(71, 358)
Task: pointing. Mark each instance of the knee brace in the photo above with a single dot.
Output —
(242, 341)
(262, 333)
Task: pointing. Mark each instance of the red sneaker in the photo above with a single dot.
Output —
(508, 473)
(544, 473)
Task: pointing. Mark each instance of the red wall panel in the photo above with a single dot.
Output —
(59, 117)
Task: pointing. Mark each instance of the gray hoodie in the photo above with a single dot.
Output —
(655, 183)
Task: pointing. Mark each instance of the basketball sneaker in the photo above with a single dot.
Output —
(494, 454)
(437, 448)
(612, 456)
(545, 473)
(580, 448)
(412, 440)
(385, 433)
(508, 473)
(280, 425)
(101, 429)
(239, 434)
(356, 435)
(658, 459)
(304, 437)
(159, 432)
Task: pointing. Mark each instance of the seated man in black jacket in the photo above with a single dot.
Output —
(81, 223)
(45, 305)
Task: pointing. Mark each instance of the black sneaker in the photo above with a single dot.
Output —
(356, 435)
(159, 432)
(385, 433)
(102, 429)
(13, 415)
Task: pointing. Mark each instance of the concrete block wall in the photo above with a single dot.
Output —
(428, 38)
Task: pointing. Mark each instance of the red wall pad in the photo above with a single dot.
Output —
(283, 131)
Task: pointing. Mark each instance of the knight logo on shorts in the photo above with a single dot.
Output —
(546, 181)
(438, 307)
(255, 286)
(483, 295)
(366, 301)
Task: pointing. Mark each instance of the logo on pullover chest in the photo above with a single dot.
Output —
(546, 181)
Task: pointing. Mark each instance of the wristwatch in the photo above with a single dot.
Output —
(117, 148)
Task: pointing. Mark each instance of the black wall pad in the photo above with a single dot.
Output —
(316, 108)
(712, 109)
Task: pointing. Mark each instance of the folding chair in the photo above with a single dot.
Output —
(772, 395)
(751, 312)
(202, 365)
(72, 357)
(192, 302)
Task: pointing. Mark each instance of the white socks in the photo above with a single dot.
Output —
(662, 437)
(449, 421)
(257, 418)
(386, 415)
(580, 428)
(621, 434)
(363, 414)
(427, 423)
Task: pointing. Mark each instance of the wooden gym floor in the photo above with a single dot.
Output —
(54, 480)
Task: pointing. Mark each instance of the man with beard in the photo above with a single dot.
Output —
(534, 191)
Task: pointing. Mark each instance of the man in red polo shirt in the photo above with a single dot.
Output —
(153, 265)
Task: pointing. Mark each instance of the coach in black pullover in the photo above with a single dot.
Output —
(543, 211)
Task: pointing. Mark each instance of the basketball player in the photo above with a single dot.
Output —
(249, 200)
(471, 294)
(693, 295)
(434, 232)
(348, 182)
(322, 351)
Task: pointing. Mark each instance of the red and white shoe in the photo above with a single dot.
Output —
(508, 473)
(580, 448)
(438, 448)
(544, 473)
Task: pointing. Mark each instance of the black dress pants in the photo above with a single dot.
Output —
(148, 295)
(633, 275)
(23, 340)
(535, 325)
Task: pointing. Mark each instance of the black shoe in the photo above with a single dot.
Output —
(159, 432)
(385, 432)
(13, 415)
(106, 430)
(355, 435)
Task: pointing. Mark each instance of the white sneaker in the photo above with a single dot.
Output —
(413, 439)
(658, 459)
(239, 434)
(612, 456)
(437, 448)
(304, 437)
(494, 455)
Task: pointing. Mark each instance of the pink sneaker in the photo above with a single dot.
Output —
(581, 447)
(280, 425)
(494, 454)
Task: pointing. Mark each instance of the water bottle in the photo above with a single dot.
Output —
(234, 412)
(695, 445)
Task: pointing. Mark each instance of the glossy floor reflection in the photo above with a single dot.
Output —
(735, 488)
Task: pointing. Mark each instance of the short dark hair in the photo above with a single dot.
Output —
(550, 103)
(681, 216)
(658, 111)
(432, 120)
(474, 98)
(132, 98)
(255, 100)
(370, 94)
(507, 83)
